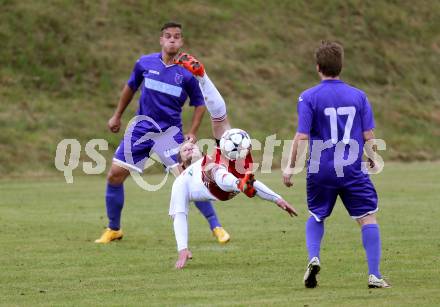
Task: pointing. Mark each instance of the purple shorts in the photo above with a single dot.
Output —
(139, 143)
(359, 198)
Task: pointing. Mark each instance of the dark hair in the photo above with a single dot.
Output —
(329, 57)
(171, 24)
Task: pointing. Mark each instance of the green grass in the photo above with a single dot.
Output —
(48, 256)
(63, 64)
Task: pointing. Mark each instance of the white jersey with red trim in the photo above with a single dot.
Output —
(211, 164)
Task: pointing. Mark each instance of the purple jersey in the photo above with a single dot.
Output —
(164, 90)
(334, 115)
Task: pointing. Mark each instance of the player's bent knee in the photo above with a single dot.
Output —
(117, 175)
(368, 219)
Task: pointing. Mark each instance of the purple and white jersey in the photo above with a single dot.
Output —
(164, 91)
(334, 115)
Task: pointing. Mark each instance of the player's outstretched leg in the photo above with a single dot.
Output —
(208, 211)
(216, 107)
(314, 234)
(114, 201)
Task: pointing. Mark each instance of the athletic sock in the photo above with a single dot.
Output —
(208, 211)
(314, 234)
(114, 201)
(372, 246)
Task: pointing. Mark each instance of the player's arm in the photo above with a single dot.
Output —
(114, 123)
(251, 187)
(368, 124)
(299, 142)
(127, 94)
(199, 111)
(305, 119)
(179, 213)
(181, 233)
(192, 87)
(368, 136)
(264, 192)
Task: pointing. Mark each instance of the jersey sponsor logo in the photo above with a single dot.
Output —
(171, 152)
(163, 87)
(154, 72)
(178, 78)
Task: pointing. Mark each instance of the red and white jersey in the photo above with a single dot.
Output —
(238, 168)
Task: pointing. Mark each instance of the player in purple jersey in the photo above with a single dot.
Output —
(165, 87)
(336, 119)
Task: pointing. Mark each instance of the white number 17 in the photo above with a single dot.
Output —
(333, 113)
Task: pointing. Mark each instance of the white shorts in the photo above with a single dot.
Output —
(188, 187)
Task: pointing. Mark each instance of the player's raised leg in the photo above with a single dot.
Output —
(214, 101)
(216, 106)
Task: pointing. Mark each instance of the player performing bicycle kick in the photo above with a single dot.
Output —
(220, 176)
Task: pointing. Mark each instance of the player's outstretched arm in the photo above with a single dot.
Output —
(251, 187)
(184, 255)
(284, 205)
(181, 233)
(264, 192)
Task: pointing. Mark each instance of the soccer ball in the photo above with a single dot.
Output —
(235, 144)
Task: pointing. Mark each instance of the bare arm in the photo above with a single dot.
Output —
(266, 193)
(369, 135)
(287, 174)
(114, 124)
(199, 111)
(229, 183)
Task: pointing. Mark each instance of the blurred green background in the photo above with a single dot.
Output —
(63, 64)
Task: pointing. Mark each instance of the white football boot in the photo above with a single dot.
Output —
(374, 282)
(313, 269)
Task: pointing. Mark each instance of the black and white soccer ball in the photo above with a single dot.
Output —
(235, 144)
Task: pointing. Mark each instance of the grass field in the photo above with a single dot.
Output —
(48, 256)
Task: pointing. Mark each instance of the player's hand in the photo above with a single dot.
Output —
(371, 163)
(184, 256)
(287, 179)
(286, 207)
(191, 137)
(114, 123)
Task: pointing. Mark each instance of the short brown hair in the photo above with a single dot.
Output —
(171, 24)
(329, 57)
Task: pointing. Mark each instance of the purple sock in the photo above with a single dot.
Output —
(208, 211)
(314, 234)
(371, 242)
(114, 201)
